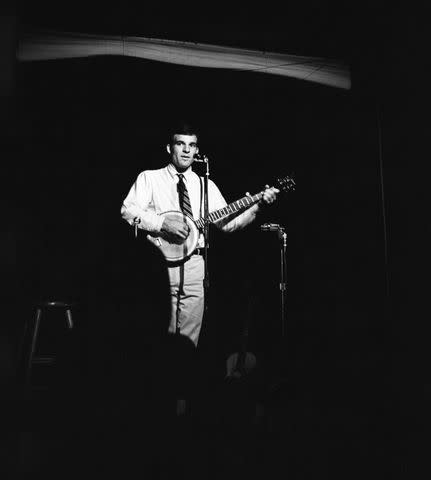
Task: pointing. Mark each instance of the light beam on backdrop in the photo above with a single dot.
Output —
(53, 45)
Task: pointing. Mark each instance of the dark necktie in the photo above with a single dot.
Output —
(183, 195)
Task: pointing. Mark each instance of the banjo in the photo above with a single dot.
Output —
(178, 252)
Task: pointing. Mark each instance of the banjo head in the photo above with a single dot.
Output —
(174, 252)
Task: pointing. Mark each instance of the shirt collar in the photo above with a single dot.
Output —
(174, 173)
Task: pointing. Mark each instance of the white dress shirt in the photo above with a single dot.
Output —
(155, 192)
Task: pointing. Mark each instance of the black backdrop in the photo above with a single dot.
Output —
(89, 126)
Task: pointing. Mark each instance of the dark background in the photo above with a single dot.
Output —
(87, 127)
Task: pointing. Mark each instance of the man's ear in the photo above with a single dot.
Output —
(168, 148)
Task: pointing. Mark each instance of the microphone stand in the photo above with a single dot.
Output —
(280, 374)
(282, 236)
(206, 233)
(204, 159)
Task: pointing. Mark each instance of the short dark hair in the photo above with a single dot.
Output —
(182, 128)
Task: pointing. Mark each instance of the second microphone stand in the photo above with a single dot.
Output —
(282, 236)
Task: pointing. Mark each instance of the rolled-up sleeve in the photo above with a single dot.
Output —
(235, 221)
(138, 205)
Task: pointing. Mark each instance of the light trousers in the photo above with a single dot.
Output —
(187, 298)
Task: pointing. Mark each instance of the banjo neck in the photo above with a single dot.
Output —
(237, 206)
(175, 252)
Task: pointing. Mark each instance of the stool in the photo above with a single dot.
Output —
(40, 307)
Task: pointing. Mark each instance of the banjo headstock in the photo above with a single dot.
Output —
(285, 184)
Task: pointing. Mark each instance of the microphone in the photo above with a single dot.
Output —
(270, 227)
(200, 157)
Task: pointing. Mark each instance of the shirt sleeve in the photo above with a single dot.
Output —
(138, 205)
(232, 222)
(216, 199)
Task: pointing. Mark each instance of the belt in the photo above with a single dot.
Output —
(199, 251)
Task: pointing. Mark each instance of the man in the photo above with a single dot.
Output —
(158, 191)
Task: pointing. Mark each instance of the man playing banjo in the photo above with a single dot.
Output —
(162, 201)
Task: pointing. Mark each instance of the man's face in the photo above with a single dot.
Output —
(182, 150)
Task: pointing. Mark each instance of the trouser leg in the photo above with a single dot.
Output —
(187, 320)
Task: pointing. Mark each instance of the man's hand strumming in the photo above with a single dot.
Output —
(174, 230)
